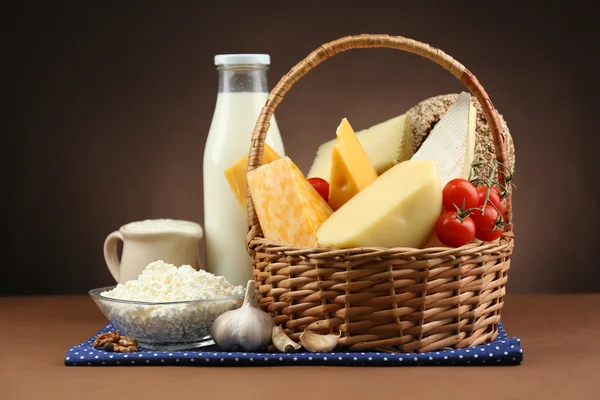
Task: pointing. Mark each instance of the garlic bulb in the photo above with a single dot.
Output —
(248, 327)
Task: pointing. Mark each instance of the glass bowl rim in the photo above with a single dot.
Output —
(96, 294)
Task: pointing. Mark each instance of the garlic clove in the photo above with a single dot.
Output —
(317, 343)
(283, 342)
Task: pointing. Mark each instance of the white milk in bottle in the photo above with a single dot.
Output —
(242, 93)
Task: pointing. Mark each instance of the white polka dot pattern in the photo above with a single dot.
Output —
(504, 351)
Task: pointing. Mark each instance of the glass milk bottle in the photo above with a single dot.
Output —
(242, 93)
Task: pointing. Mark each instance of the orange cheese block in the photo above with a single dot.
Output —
(289, 209)
(351, 169)
(236, 174)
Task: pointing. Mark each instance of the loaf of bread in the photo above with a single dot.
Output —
(428, 112)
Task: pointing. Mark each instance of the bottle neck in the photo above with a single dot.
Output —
(243, 78)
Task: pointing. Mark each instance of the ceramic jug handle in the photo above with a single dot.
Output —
(110, 254)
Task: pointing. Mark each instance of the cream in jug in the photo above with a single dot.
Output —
(242, 92)
(172, 241)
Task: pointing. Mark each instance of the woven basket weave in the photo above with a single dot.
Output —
(391, 299)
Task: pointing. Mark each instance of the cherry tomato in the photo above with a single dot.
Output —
(459, 192)
(495, 189)
(495, 198)
(320, 186)
(486, 227)
(454, 230)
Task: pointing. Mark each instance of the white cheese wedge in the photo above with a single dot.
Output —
(399, 209)
(386, 144)
(451, 143)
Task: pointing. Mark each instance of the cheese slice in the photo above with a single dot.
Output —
(289, 209)
(351, 170)
(451, 143)
(236, 174)
(386, 144)
(399, 209)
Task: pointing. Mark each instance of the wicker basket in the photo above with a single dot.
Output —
(391, 299)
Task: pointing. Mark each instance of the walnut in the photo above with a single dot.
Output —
(110, 337)
(127, 341)
(114, 342)
(118, 348)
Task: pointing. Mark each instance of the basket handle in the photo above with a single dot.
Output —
(330, 49)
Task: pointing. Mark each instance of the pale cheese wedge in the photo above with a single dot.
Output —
(451, 143)
(386, 144)
(399, 209)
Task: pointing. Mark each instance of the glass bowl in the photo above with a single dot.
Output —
(177, 325)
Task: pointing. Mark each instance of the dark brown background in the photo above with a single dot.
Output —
(110, 105)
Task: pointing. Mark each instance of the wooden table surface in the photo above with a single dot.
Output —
(560, 336)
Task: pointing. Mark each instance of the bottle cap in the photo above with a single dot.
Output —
(231, 59)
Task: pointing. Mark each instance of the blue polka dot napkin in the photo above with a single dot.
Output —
(503, 351)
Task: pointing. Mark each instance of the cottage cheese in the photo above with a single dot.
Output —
(177, 325)
(163, 282)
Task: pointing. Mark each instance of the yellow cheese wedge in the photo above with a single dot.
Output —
(399, 209)
(236, 174)
(451, 143)
(386, 144)
(351, 170)
(289, 209)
